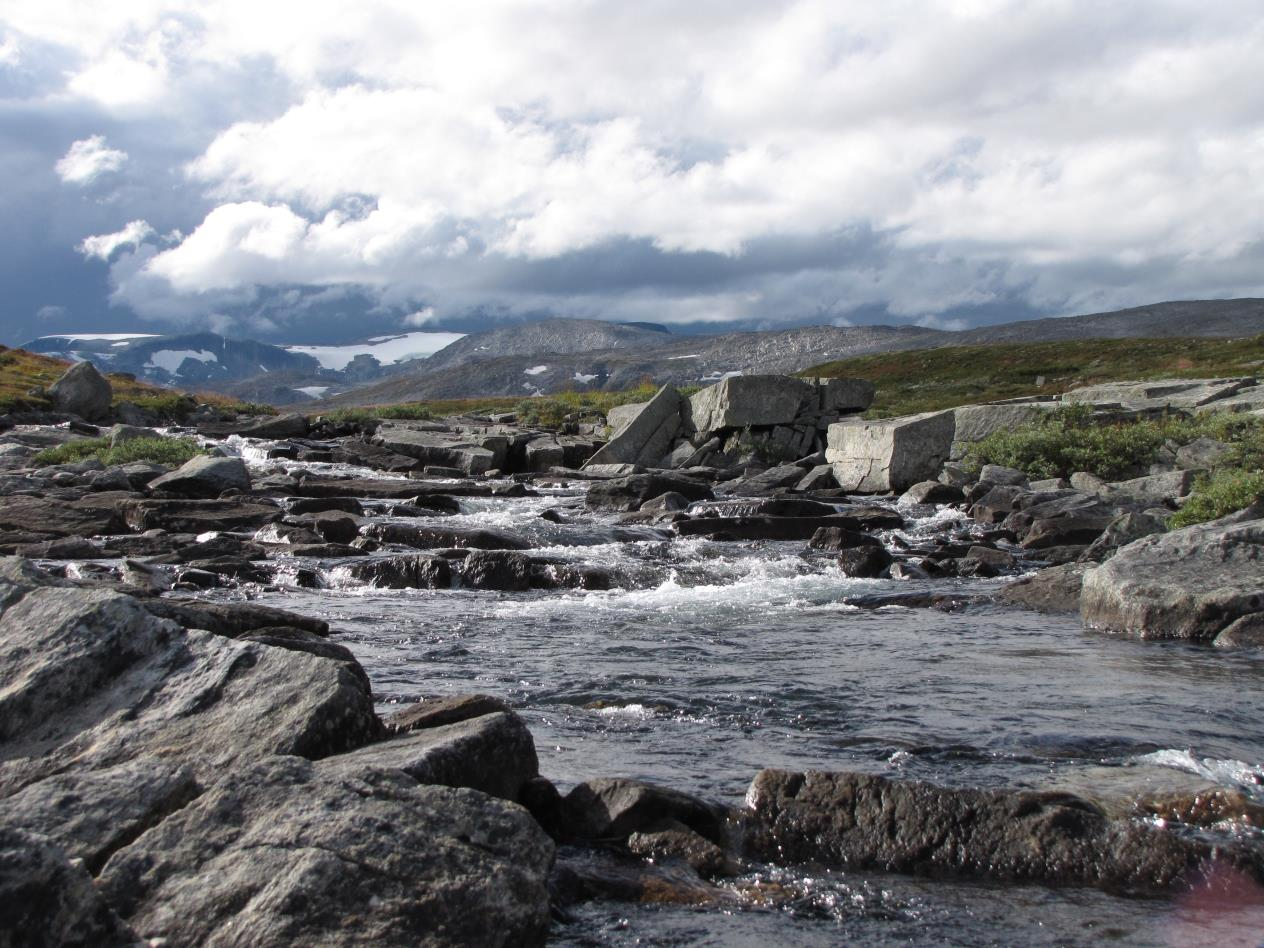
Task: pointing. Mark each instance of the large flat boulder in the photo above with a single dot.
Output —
(892, 455)
(1187, 584)
(1157, 394)
(284, 853)
(196, 516)
(26, 514)
(441, 448)
(92, 680)
(646, 436)
(628, 493)
(749, 400)
(858, 821)
(204, 477)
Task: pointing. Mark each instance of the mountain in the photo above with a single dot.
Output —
(1224, 318)
(245, 368)
(513, 360)
(549, 335)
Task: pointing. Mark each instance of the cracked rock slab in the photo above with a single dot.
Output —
(282, 853)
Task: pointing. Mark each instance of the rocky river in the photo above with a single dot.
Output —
(311, 689)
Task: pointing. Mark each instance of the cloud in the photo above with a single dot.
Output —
(102, 246)
(49, 313)
(692, 164)
(88, 159)
(423, 317)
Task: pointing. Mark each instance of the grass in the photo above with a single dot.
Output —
(934, 379)
(173, 451)
(24, 376)
(543, 411)
(1067, 440)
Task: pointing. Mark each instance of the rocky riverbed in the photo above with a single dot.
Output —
(427, 685)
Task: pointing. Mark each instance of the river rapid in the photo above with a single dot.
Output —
(711, 660)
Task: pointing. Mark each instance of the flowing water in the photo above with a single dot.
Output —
(717, 659)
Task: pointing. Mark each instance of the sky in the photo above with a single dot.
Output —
(320, 172)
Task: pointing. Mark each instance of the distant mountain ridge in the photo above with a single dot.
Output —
(548, 335)
(502, 361)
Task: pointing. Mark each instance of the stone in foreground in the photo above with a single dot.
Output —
(749, 400)
(281, 853)
(874, 457)
(1188, 584)
(93, 680)
(204, 477)
(860, 821)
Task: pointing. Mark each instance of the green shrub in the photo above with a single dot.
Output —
(1068, 440)
(72, 451)
(1220, 494)
(173, 451)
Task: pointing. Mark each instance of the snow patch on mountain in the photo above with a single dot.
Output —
(536, 370)
(388, 350)
(170, 360)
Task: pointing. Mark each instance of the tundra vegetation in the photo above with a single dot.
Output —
(1069, 440)
(933, 379)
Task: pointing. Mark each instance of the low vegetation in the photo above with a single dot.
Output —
(24, 377)
(1068, 441)
(542, 410)
(934, 379)
(173, 451)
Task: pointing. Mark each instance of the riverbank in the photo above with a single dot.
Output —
(646, 643)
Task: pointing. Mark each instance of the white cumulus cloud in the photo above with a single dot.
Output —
(88, 159)
(102, 246)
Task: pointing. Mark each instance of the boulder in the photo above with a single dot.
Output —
(647, 436)
(47, 900)
(819, 477)
(204, 477)
(842, 396)
(434, 537)
(543, 454)
(859, 822)
(766, 482)
(83, 391)
(1154, 490)
(838, 538)
(1201, 454)
(749, 401)
(288, 425)
(612, 808)
(416, 571)
(864, 562)
(1247, 632)
(504, 570)
(1054, 590)
(1187, 584)
(493, 753)
(932, 492)
(628, 493)
(49, 517)
(1121, 531)
(196, 516)
(892, 455)
(436, 712)
(97, 681)
(1160, 394)
(443, 448)
(231, 619)
(313, 856)
(1002, 476)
